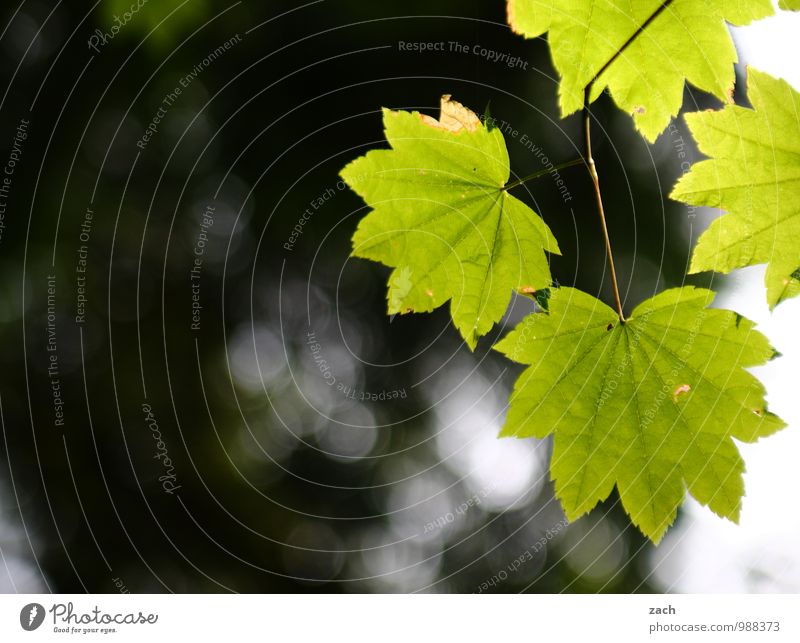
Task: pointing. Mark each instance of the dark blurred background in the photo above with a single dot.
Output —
(286, 436)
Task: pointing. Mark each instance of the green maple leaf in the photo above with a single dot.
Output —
(442, 218)
(688, 40)
(753, 174)
(650, 405)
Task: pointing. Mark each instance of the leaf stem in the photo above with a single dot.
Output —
(590, 165)
(540, 173)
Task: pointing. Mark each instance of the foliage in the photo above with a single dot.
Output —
(650, 404)
(686, 41)
(163, 23)
(443, 220)
(754, 174)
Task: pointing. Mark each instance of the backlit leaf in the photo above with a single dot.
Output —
(650, 405)
(441, 217)
(753, 174)
(688, 40)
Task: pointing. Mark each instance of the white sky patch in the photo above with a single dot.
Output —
(771, 45)
(506, 472)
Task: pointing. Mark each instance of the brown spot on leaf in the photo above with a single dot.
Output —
(429, 292)
(680, 390)
(429, 120)
(729, 94)
(528, 290)
(639, 109)
(610, 326)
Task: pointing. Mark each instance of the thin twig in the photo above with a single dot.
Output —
(589, 160)
(587, 140)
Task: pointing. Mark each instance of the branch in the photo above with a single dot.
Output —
(587, 140)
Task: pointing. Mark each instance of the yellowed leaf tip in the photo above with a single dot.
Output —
(453, 117)
(511, 17)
